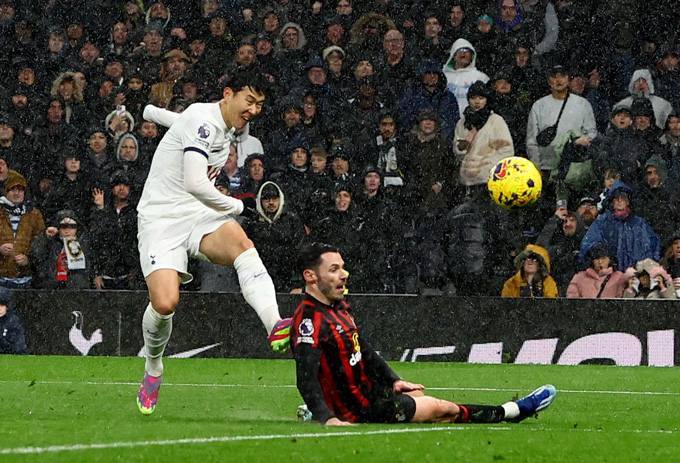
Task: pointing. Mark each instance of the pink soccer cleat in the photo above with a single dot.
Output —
(279, 338)
(148, 394)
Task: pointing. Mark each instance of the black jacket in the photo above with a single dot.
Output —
(114, 237)
(619, 149)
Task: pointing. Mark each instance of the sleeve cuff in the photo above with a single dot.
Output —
(198, 150)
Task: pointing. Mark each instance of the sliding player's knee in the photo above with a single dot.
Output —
(432, 410)
(450, 408)
(444, 408)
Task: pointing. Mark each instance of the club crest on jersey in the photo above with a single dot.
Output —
(204, 131)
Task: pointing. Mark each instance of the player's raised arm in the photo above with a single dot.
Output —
(160, 116)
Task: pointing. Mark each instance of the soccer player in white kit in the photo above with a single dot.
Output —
(181, 214)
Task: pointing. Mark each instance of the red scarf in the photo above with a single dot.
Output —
(623, 213)
(62, 267)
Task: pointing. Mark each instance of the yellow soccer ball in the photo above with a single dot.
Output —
(514, 182)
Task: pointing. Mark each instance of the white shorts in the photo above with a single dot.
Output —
(167, 243)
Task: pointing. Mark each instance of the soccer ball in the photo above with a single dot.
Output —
(514, 182)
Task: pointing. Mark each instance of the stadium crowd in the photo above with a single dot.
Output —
(383, 122)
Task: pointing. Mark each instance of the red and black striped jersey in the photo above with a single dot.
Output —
(331, 361)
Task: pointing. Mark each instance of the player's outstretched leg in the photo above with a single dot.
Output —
(537, 401)
(514, 412)
(258, 290)
(229, 245)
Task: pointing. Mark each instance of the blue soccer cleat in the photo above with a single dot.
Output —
(535, 402)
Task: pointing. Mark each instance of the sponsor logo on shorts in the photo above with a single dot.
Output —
(306, 327)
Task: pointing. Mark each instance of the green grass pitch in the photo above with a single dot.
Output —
(75, 409)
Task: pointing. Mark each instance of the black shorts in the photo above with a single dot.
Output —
(389, 407)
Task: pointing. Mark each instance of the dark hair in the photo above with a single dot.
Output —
(309, 256)
(250, 77)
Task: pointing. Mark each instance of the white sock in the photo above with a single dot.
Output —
(156, 329)
(257, 287)
(511, 410)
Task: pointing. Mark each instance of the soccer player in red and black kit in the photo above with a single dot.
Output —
(343, 380)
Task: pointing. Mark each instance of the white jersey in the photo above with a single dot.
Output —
(201, 128)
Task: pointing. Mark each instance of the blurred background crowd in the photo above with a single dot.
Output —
(384, 119)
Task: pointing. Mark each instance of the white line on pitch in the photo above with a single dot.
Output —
(208, 440)
(291, 386)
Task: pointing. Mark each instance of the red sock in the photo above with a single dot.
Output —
(464, 414)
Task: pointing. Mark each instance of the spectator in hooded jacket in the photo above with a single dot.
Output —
(20, 226)
(533, 275)
(12, 335)
(642, 86)
(651, 281)
(129, 161)
(628, 235)
(461, 72)
(277, 234)
(602, 279)
(656, 199)
(290, 49)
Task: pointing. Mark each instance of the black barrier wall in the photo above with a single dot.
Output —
(404, 328)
